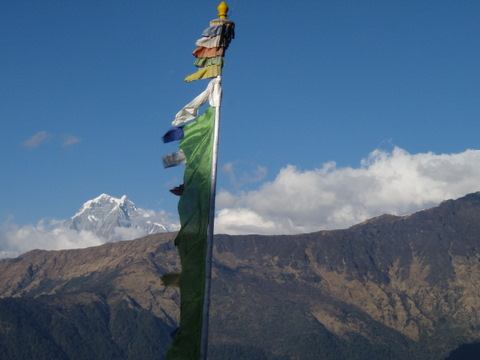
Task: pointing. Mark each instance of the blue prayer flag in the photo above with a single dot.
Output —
(174, 134)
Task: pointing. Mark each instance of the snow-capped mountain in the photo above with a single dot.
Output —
(117, 219)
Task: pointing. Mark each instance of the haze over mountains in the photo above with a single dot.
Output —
(100, 220)
(392, 287)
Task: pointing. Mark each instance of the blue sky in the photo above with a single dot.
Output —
(375, 99)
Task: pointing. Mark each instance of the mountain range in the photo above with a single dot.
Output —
(115, 219)
(392, 287)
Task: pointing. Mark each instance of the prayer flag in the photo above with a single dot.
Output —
(213, 42)
(174, 159)
(223, 28)
(191, 241)
(174, 134)
(198, 151)
(203, 52)
(205, 73)
(210, 49)
(212, 94)
(177, 190)
(202, 62)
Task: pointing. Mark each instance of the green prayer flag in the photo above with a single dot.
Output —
(191, 241)
(202, 62)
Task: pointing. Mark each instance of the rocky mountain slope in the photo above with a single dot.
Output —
(389, 288)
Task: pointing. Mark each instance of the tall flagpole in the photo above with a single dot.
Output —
(199, 141)
(209, 247)
(222, 14)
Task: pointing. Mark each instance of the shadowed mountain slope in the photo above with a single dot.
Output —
(389, 288)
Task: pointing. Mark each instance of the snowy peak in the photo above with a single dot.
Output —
(116, 219)
(104, 201)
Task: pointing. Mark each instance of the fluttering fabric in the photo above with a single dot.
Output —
(203, 52)
(202, 62)
(212, 45)
(174, 134)
(213, 42)
(212, 94)
(196, 146)
(174, 159)
(205, 73)
(224, 22)
(220, 28)
(177, 190)
(191, 241)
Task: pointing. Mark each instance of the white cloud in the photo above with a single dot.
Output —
(241, 173)
(298, 201)
(123, 233)
(50, 234)
(44, 136)
(385, 182)
(36, 140)
(70, 140)
(45, 235)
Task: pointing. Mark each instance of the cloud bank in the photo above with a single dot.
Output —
(51, 234)
(395, 182)
(300, 201)
(45, 235)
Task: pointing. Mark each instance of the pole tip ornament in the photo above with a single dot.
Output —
(222, 10)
